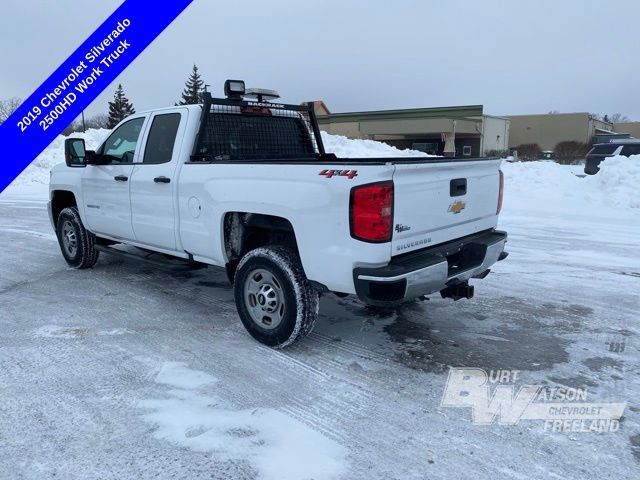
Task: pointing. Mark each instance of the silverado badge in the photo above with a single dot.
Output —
(457, 206)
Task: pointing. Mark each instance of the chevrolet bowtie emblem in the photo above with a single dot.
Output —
(457, 206)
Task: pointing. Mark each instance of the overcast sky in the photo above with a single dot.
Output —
(514, 57)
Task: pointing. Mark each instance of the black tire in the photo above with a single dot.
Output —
(78, 248)
(298, 299)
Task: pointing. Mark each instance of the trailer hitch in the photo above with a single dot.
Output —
(458, 291)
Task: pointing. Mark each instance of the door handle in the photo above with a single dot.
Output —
(458, 187)
(121, 178)
(162, 180)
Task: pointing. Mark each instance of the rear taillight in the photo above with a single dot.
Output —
(371, 212)
(500, 193)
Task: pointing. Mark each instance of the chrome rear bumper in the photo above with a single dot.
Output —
(430, 270)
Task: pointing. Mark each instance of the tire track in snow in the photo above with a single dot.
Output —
(351, 403)
(349, 347)
(331, 416)
(347, 407)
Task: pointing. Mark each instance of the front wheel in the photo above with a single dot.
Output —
(76, 242)
(275, 301)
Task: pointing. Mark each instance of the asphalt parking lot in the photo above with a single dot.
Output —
(126, 371)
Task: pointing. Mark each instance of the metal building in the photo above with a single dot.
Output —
(459, 131)
(632, 128)
(547, 130)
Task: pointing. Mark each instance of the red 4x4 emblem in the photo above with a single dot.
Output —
(339, 173)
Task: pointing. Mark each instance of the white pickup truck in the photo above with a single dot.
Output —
(245, 184)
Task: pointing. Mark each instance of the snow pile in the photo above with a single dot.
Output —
(38, 171)
(278, 446)
(345, 147)
(618, 181)
(546, 186)
(539, 185)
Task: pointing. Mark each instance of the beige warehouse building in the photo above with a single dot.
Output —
(632, 128)
(459, 131)
(547, 130)
(467, 130)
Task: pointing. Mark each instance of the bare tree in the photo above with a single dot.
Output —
(7, 107)
(99, 120)
(618, 117)
(74, 126)
(613, 118)
(570, 152)
(529, 151)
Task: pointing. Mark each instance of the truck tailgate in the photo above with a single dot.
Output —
(436, 202)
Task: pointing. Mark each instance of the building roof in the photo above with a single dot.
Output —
(319, 107)
(436, 112)
(556, 114)
(561, 114)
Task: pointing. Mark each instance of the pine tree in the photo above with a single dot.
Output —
(193, 89)
(120, 107)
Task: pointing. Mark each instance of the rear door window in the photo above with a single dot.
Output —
(162, 138)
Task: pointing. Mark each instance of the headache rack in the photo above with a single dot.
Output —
(236, 129)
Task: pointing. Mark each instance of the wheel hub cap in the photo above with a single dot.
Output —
(264, 298)
(69, 240)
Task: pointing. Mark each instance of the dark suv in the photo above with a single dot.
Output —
(603, 150)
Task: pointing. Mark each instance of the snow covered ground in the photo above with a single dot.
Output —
(125, 371)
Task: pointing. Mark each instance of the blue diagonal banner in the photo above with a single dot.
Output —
(80, 79)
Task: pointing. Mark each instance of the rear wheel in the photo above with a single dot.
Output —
(275, 301)
(76, 243)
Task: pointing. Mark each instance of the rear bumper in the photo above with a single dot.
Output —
(430, 270)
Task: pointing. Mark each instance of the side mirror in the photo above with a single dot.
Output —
(74, 152)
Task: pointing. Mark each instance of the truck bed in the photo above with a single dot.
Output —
(330, 160)
(427, 211)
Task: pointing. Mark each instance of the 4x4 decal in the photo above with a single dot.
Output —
(339, 173)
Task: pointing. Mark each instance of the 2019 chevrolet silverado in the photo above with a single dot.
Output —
(244, 183)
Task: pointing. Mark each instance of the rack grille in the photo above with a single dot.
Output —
(255, 131)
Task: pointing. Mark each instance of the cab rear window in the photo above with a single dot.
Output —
(257, 136)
